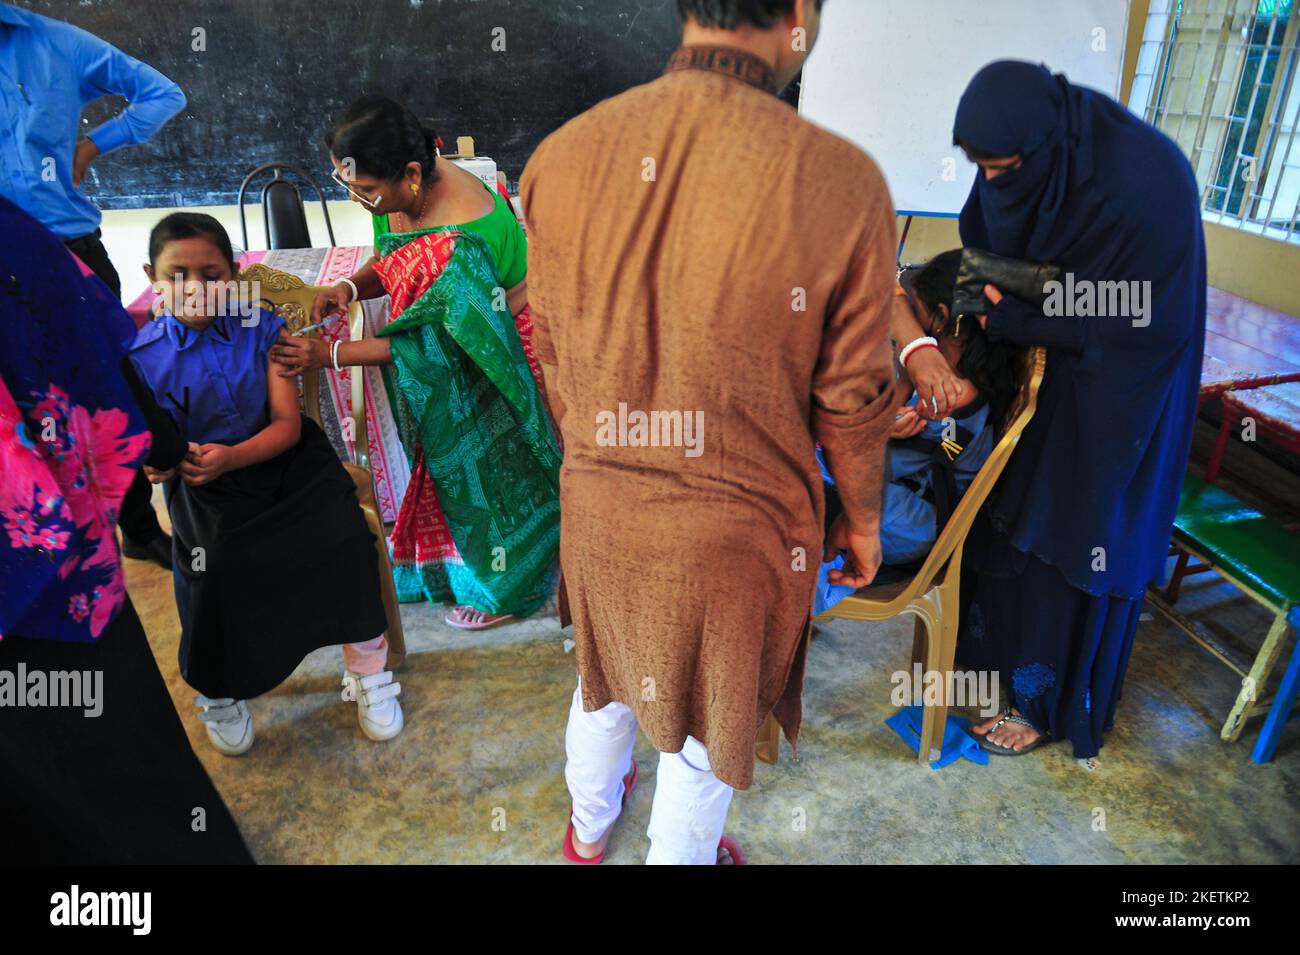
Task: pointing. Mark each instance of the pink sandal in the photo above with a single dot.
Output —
(733, 849)
(570, 853)
(489, 620)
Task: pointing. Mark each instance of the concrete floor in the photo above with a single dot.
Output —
(478, 774)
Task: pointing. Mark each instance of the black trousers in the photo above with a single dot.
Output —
(91, 250)
(137, 519)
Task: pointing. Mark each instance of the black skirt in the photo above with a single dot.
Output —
(120, 787)
(272, 561)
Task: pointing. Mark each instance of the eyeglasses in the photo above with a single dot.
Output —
(371, 203)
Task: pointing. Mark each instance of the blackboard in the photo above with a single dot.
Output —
(272, 73)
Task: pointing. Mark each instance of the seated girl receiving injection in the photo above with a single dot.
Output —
(932, 457)
(273, 558)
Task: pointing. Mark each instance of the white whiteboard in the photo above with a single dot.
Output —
(887, 75)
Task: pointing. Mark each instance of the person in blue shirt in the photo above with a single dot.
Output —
(49, 70)
(932, 459)
(272, 555)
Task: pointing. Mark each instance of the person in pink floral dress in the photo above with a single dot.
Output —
(96, 765)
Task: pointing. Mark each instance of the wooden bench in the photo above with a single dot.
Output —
(1283, 703)
(1255, 554)
(1246, 345)
(1273, 409)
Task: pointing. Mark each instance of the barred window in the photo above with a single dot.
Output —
(1219, 77)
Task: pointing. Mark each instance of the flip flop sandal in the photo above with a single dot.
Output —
(733, 850)
(1006, 711)
(996, 750)
(570, 853)
(451, 621)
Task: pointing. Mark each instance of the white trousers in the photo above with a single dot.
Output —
(690, 804)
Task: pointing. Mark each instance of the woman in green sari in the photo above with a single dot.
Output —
(480, 520)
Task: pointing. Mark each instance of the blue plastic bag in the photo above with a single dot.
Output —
(957, 741)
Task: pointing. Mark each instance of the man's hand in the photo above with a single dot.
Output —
(206, 462)
(81, 160)
(862, 555)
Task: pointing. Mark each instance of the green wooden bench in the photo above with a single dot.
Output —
(1255, 554)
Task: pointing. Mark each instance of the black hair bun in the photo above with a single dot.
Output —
(382, 137)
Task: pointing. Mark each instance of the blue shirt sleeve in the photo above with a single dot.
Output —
(269, 327)
(105, 70)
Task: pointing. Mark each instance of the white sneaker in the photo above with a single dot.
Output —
(378, 711)
(229, 724)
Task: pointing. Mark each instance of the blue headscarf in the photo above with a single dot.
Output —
(1093, 485)
(71, 438)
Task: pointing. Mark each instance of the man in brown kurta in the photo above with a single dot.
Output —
(711, 279)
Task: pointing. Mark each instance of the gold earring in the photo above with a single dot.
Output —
(415, 190)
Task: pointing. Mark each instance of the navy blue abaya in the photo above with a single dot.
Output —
(1082, 516)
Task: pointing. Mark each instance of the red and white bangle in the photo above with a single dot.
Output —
(913, 347)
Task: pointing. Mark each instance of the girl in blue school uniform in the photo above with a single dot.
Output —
(930, 462)
(272, 555)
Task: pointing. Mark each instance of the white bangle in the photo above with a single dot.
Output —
(352, 285)
(910, 347)
(334, 354)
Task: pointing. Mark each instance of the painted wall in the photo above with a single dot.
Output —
(1263, 270)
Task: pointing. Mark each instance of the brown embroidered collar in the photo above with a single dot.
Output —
(727, 60)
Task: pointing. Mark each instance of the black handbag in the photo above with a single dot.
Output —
(1025, 280)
